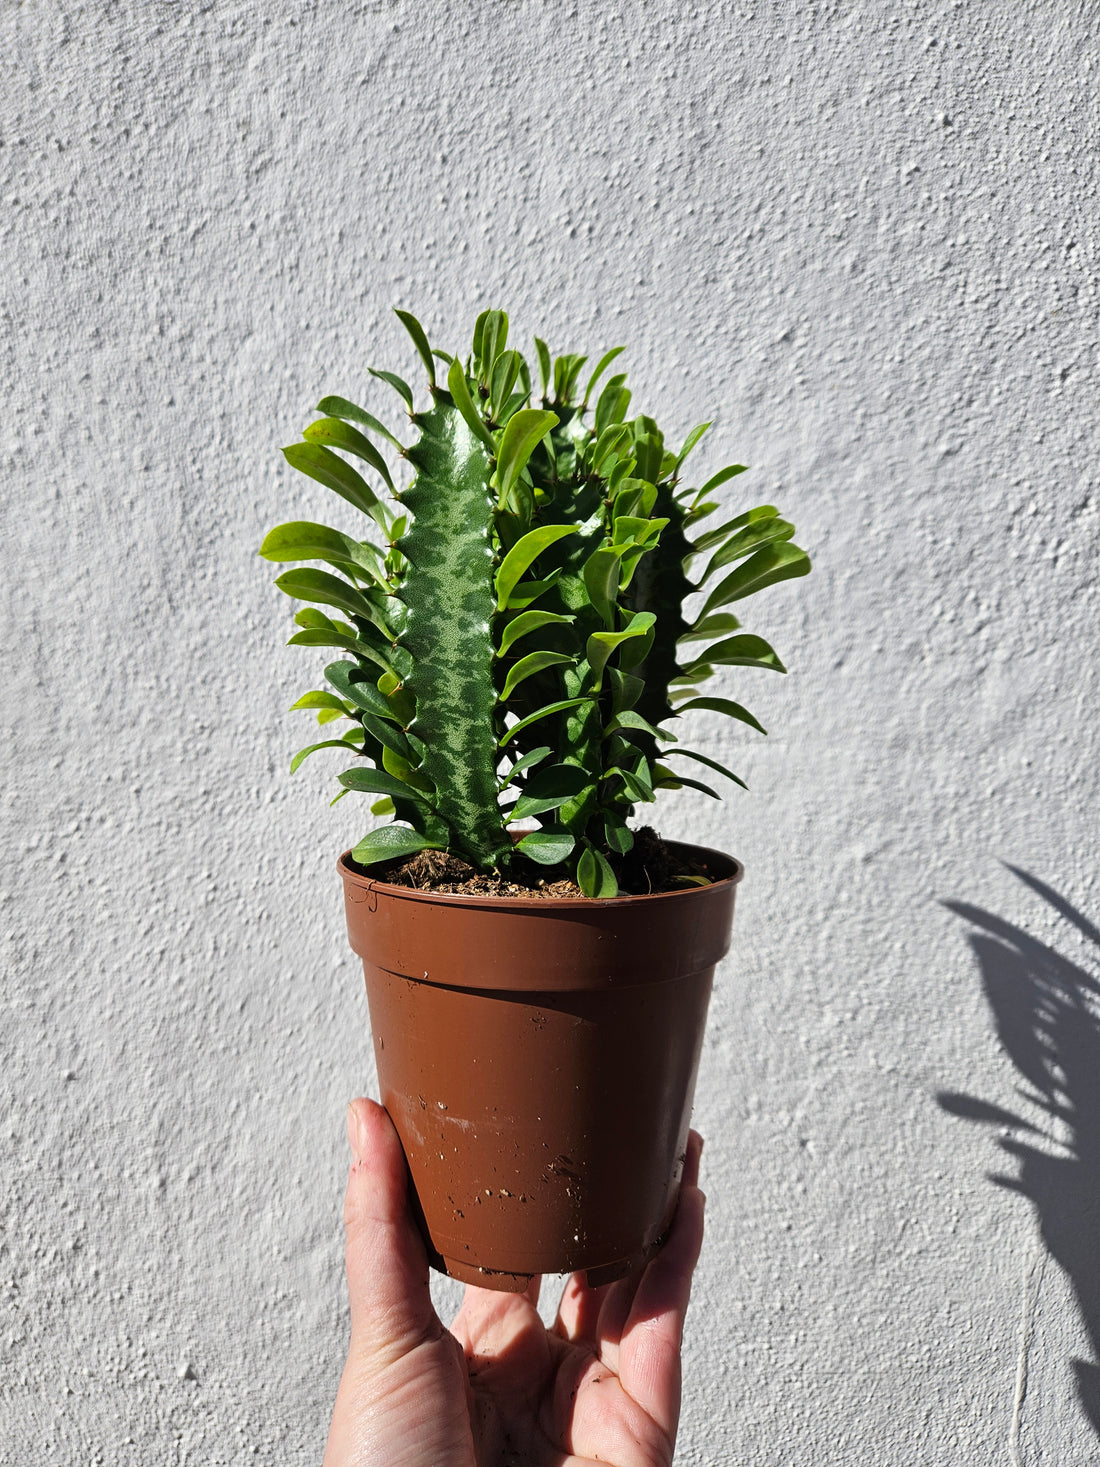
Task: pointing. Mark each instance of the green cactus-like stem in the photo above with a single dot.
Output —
(448, 592)
(661, 586)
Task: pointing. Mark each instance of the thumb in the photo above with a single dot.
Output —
(391, 1305)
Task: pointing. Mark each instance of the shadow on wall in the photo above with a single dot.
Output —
(1048, 1019)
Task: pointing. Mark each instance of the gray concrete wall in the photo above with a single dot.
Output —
(861, 237)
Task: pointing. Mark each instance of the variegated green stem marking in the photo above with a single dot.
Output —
(448, 589)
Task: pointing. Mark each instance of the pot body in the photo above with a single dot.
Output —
(538, 1059)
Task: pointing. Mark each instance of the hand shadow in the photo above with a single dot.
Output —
(1047, 1015)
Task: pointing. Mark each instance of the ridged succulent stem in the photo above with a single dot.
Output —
(448, 590)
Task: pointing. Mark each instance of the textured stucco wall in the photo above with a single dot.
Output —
(863, 238)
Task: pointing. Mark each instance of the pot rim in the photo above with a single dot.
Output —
(543, 904)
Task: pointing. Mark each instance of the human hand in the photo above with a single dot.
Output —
(601, 1386)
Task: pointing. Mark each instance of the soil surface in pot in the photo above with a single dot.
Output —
(649, 867)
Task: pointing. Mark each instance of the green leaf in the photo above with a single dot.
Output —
(490, 339)
(764, 532)
(632, 554)
(528, 591)
(531, 718)
(721, 705)
(769, 564)
(548, 846)
(613, 403)
(629, 719)
(635, 498)
(567, 369)
(721, 477)
(339, 407)
(637, 781)
(713, 537)
(621, 471)
(389, 843)
(522, 510)
(626, 689)
(309, 616)
(523, 554)
(401, 701)
(526, 666)
(359, 686)
(403, 661)
(649, 449)
(334, 473)
(321, 700)
(404, 771)
(711, 626)
(684, 686)
(710, 763)
(637, 650)
(700, 512)
(672, 781)
(601, 366)
(337, 434)
(329, 590)
(633, 529)
(601, 577)
(303, 754)
(550, 788)
(459, 389)
(619, 837)
(479, 334)
(319, 637)
(420, 341)
(303, 540)
(608, 443)
(389, 735)
(740, 651)
(505, 374)
(396, 383)
(526, 429)
(601, 644)
(543, 352)
(378, 782)
(643, 775)
(690, 441)
(384, 806)
(618, 747)
(529, 621)
(595, 876)
(515, 402)
(534, 756)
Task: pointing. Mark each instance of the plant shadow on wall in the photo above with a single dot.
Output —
(1047, 1013)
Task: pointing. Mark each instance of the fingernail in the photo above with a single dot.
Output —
(355, 1133)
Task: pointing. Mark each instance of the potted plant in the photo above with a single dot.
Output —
(512, 652)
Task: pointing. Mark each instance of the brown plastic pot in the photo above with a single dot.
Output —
(538, 1059)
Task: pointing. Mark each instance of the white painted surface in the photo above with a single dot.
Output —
(863, 239)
